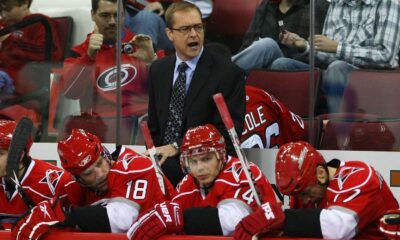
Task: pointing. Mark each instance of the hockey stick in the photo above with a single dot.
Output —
(227, 119)
(153, 155)
(20, 138)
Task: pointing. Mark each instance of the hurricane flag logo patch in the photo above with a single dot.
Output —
(107, 81)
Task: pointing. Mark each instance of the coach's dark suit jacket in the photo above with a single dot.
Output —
(213, 74)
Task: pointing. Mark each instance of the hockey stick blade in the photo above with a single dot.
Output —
(20, 138)
(227, 119)
(152, 152)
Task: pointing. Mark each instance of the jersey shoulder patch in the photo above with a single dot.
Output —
(233, 172)
(351, 176)
(129, 160)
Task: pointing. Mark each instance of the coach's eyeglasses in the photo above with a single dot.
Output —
(199, 28)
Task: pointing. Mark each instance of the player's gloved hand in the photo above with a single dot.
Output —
(390, 224)
(38, 220)
(269, 217)
(165, 218)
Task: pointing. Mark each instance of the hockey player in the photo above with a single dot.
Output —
(39, 180)
(268, 123)
(215, 195)
(390, 224)
(127, 187)
(348, 198)
(89, 74)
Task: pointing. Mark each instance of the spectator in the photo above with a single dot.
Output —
(215, 195)
(345, 200)
(355, 35)
(185, 83)
(268, 123)
(261, 43)
(17, 50)
(118, 190)
(89, 73)
(147, 19)
(205, 6)
(39, 181)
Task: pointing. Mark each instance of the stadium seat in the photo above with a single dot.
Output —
(65, 26)
(230, 20)
(368, 114)
(289, 87)
(361, 135)
(32, 98)
(103, 127)
(373, 92)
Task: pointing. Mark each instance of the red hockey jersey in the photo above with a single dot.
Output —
(268, 123)
(133, 177)
(359, 189)
(20, 48)
(231, 183)
(42, 181)
(24, 46)
(93, 81)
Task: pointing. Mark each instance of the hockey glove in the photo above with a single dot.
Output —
(38, 220)
(390, 224)
(165, 218)
(269, 217)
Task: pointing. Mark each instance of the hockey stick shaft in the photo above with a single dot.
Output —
(227, 119)
(153, 154)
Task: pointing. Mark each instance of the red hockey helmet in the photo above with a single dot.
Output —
(7, 128)
(79, 151)
(200, 140)
(295, 167)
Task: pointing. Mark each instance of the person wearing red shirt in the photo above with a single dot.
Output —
(17, 50)
(330, 200)
(268, 123)
(39, 180)
(215, 194)
(89, 73)
(111, 194)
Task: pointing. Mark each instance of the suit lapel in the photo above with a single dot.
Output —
(199, 80)
(167, 75)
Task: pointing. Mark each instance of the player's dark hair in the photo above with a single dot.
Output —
(5, 3)
(95, 3)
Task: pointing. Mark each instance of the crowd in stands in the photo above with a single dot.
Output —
(169, 70)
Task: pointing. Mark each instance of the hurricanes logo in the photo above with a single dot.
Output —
(107, 81)
(236, 170)
(128, 159)
(52, 178)
(344, 174)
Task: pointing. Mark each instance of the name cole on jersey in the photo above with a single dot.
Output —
(268, 123)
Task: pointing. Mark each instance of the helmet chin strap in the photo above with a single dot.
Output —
(206, 189)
